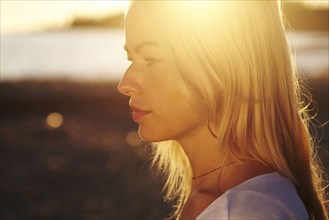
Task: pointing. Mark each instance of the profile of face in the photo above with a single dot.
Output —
(158, 105)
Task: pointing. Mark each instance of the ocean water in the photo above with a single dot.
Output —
(97, 54)
(75, 54)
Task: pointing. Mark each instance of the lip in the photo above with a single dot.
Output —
(138, 113)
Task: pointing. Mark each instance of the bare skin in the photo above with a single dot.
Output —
(207, 190)
(152, 87)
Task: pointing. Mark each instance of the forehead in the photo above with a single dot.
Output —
(139, 27)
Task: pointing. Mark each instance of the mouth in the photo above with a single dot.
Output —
(137, 113)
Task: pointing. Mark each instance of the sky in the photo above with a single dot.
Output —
(33, 15)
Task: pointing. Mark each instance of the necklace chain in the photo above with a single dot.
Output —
(193, 178)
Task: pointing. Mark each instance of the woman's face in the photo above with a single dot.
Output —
(157, 103)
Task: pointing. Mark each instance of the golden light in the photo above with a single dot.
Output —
(317, 4)
(199, 9)
(133, 138)
(35, 15)
(54, 120)
(195, 7)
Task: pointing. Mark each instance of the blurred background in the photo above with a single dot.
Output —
(68, 146)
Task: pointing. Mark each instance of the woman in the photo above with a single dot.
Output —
(213, 86)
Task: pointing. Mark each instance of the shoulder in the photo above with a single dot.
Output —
(268, 196)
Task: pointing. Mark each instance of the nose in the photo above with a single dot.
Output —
(130, 84)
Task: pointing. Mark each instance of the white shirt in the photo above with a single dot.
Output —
(265, 197)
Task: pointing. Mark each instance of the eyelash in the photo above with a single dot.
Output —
(150, 60)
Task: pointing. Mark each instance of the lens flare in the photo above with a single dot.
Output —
(133, 138)
(54, 120)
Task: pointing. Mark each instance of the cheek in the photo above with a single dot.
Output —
(172, 115)
(171, 122)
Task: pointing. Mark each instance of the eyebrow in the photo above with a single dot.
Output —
(140, 46)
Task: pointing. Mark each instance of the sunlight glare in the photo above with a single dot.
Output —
(26, 16)
(199, 8)
(317, 4)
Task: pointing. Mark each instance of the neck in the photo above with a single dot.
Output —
(204, 153)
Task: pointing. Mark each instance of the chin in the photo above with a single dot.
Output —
(151, 136)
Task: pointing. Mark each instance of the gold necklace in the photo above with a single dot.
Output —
(193, 178)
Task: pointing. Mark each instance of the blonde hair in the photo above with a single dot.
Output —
(235, 65)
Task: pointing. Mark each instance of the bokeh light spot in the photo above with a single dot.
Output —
(54, 120)
(133, 138)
